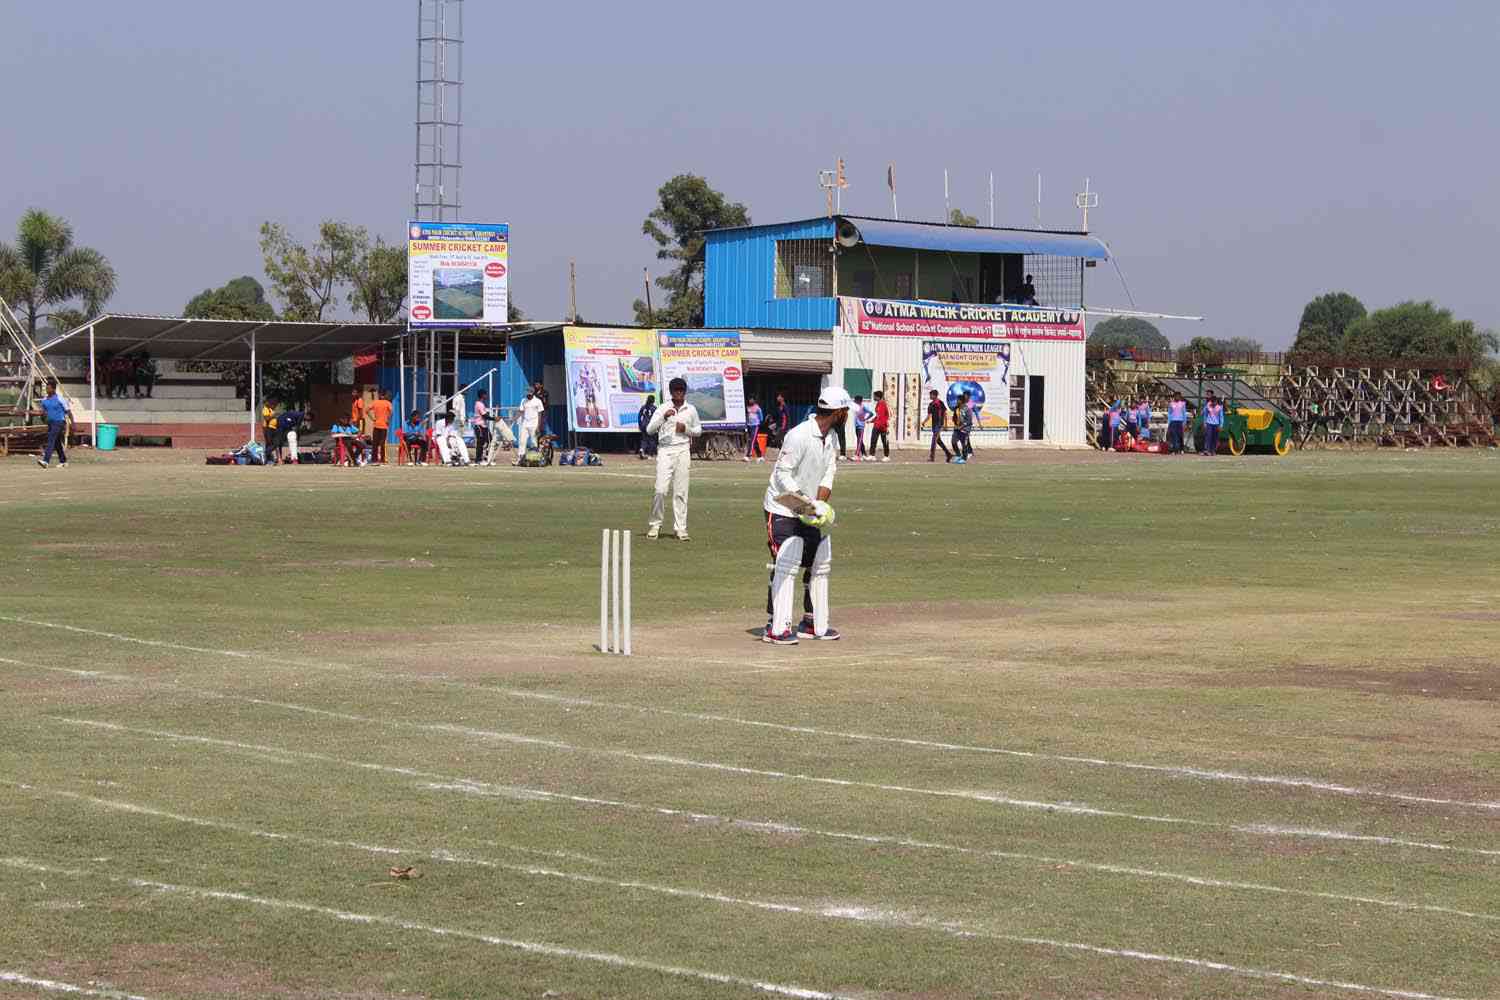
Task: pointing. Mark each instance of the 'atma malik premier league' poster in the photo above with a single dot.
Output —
(954, 367)
(610, 374)
(709, 361)
(458, 274)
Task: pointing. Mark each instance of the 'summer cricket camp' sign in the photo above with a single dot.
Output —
(458, 274)
(709, 361)
(902, 318)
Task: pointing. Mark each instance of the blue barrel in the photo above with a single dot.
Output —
(107, 434)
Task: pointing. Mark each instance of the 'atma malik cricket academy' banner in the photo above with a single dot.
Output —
(610, 374)
(458, 274)
(954, 367)
(900, 318)
(710, 363)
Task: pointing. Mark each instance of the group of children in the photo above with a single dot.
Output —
(117, 374)
(774, 425)
(1124, 419)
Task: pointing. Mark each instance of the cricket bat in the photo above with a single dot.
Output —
(799, 505)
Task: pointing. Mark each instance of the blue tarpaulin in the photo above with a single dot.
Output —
(973, 239)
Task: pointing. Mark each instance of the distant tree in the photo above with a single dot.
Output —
(957, 217)
(307, 278)
(242, 298)
(687, 206)
(1324, 322)
(1417, 330)
(43, 271)
(1120, 332)
(377, 276)
(1216, 345)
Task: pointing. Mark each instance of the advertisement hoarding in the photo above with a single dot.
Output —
(458, 274)
(901, 318)
(953, 367)
(709, 361)
(610, 373)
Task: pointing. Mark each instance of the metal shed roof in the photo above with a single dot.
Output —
(183, 339)
(975, 239)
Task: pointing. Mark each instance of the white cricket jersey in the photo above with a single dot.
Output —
(531, 411)
(665, 427)
(806, 464)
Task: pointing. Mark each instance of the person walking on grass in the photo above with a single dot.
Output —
(963, 423)
(753, 417)
(1213, 420)
(675, 425)
(58, 414)
(881, 426)
(1176, 422)
(937, 414)
(380, 412)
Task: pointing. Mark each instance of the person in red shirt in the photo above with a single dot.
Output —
(380, 414)
(880, 428)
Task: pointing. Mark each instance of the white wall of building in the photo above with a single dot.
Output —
(1060, 363)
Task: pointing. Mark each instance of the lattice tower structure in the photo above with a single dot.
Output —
(440, 84)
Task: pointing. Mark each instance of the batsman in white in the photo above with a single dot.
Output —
(675, 425)
(798, 518)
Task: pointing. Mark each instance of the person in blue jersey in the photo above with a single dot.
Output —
(1176, 423)
(1213, 421)
(1143, 419)
(58, 414)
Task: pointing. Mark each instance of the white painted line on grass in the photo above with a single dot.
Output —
(1261, 830)
(53, 986)
(1185, 771)
(861, 915)
(530, 947)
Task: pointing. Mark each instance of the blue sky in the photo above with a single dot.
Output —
(1248, 156)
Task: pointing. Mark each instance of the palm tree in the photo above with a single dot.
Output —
(44, 270)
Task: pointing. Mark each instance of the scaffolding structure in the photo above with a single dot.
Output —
(438, 195)
(24, 373)
(1422, 404)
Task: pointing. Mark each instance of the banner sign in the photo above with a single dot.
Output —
(709, 361)
(954, 367)
(893, 317)
(610, 374)
(457, 274)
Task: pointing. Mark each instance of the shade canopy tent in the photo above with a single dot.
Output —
(180, 338)
(974, 239)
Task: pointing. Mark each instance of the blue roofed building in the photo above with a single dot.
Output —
(904, 307)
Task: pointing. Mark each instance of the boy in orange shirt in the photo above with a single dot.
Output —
(380, 415)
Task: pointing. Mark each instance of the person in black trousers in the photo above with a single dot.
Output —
(937, 413)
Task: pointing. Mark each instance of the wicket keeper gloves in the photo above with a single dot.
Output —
(822, 520)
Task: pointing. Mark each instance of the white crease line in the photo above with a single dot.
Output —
(530, 947)
(856, 914)
(1262, 830)
(53, 986)
(1208, 774)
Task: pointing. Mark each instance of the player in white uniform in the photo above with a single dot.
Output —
(531, 417)
(804, 469)
(675, 425)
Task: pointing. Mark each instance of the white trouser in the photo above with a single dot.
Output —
(291, 446)
(672, 466)
(450, 445)
(527, 439)
(784, 584)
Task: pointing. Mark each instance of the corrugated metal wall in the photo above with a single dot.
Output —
(1062, 364)
(525, 362)
(740, 280)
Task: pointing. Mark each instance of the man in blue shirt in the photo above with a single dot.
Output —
(1213, 419)
(56, 409)
(1176, 421)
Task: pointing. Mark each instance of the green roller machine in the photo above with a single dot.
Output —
(1251, 421)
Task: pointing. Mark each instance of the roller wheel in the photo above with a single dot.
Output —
(1236, 445)
(1283, 443)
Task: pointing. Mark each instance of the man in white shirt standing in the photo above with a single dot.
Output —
(674, 425)
(531, 418)
(801, 485)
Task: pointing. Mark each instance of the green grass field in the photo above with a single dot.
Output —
(1100, 726)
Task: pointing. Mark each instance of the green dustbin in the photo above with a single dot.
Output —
(107, 433)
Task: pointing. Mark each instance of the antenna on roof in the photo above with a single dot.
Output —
(992, 199)
(1086, 200)
(1039, 199)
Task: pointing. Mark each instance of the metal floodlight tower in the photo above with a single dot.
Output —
(440, 83)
